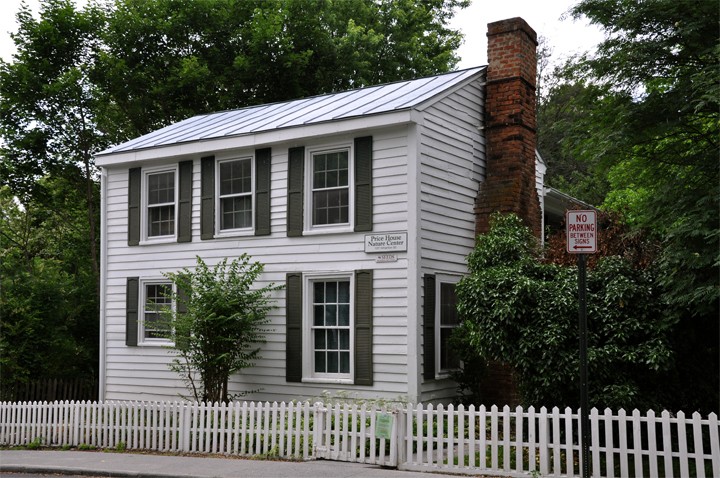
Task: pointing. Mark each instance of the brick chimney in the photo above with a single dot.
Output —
(510, 133)
(510, 126)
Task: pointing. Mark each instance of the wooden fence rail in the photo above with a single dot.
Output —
(505, 442)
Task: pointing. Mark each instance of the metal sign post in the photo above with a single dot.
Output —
(581, 231)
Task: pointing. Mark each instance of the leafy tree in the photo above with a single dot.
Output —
(49, 326)
(523, 312)
(661, 60)
(83, 79)
(165, 60)
(634, 128)
(47, 108)
(217, 324)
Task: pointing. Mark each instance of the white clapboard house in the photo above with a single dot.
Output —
(364, 204)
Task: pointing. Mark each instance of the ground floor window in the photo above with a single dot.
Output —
(329, 328)
(156, 296)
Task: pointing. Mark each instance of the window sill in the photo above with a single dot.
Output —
(234, 233)
(157, 344)
(337, 381)
(158, 240)
(330, 230)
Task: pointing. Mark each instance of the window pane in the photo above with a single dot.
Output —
(448, 359)
(343, 315)
(320, 339)
(344, 292)
(332, 336)
(331, 292)
(319, 316)
(331, 315)
(320, 362)
(319, 292)
(235, 177)
(332, 362)
(448, 305)
(161, 188)
(330, 207)
(344, 362)
(161, 221)
(236, 212)
(344, 336)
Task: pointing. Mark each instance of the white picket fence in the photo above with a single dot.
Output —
(527, 442)
(507, 442)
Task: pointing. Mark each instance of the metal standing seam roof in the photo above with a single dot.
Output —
(371, 100)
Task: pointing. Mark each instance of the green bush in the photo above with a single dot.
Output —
(217, 324)
(518, 310)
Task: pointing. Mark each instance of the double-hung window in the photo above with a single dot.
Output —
(235, 198)
(447, 320)
(161, 197)
(330, 193)
(160, 204)
(329, 188)
(235, 194)
(155, 299)
(331, 328)
(440, 318)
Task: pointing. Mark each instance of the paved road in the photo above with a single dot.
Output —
(108, 464)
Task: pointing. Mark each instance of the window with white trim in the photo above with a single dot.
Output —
(330, 195)
(235, 194)
(160, 203)
(329, 327)
(446, 320)
(156, 296)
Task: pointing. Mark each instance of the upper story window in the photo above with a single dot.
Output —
(235, 194)
(330, 188)
(160, 187)
(160, 204)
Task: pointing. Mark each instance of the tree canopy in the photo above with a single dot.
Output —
(86, 78)
(635, 129)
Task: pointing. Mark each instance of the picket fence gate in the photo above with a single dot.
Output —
(505, 442)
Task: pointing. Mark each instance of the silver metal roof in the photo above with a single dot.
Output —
(372, 100)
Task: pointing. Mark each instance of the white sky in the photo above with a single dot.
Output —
(544, 16)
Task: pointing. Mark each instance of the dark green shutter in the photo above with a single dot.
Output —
(185, 172)
(363, 327)
(207, 197)
(293, 327)
(429, 327)
(134, 185)
(262, 191)
(132, 300)
(363, 184)
(296, 180)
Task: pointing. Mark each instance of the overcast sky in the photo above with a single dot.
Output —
(565, 36)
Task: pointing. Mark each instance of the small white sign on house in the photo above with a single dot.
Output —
(386, 242)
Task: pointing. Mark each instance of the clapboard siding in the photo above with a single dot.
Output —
(451, 169)
(143, 371)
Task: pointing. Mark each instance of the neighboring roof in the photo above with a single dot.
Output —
(373, 100)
